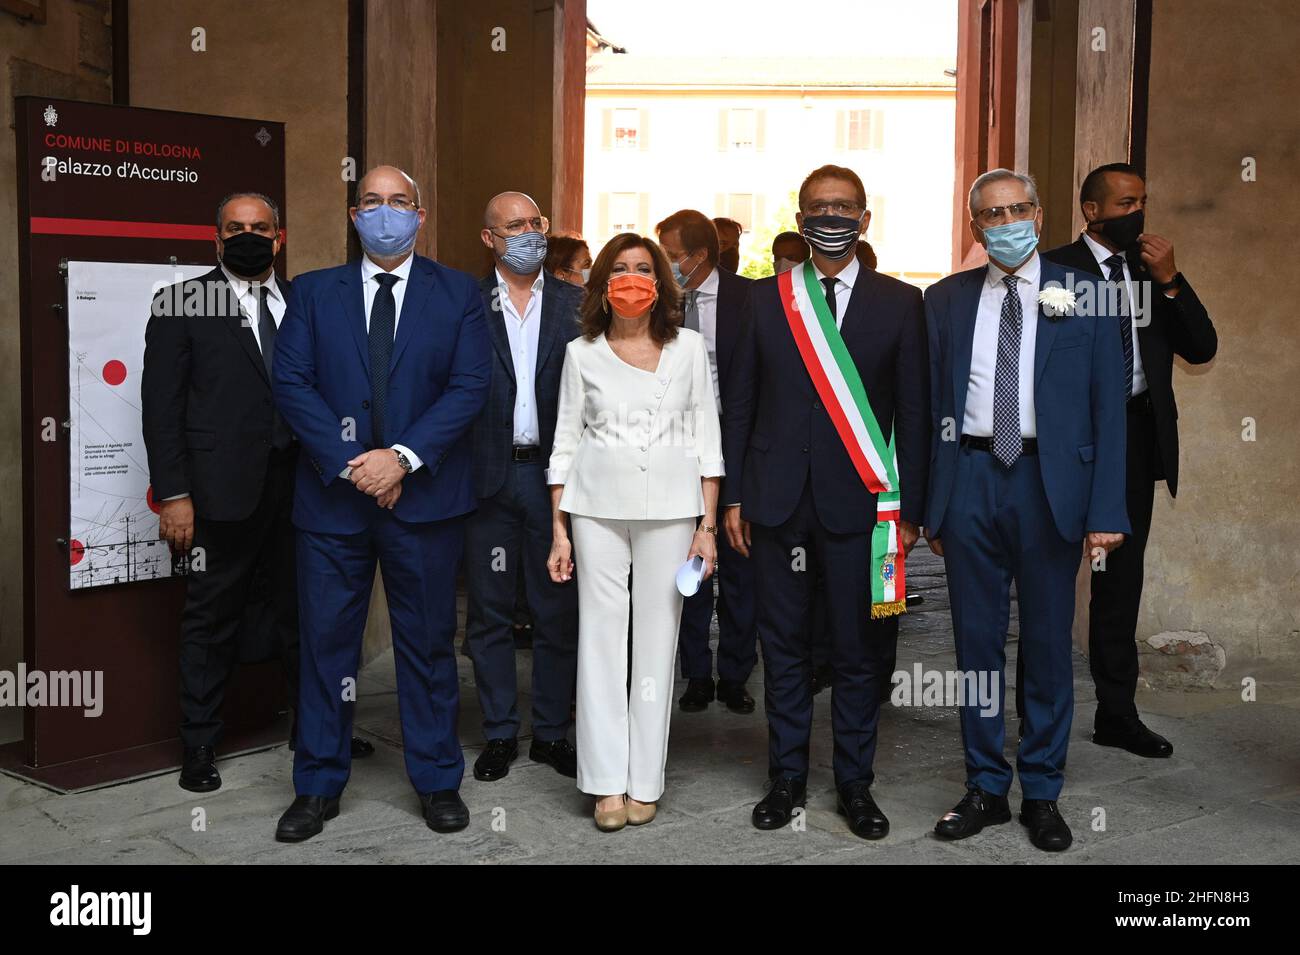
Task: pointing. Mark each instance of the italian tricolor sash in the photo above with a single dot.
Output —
(840, 387)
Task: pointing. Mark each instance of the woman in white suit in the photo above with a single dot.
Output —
(634, 475)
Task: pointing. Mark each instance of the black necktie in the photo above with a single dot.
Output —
(383, 321)
(829, 284)
(281, 436)
(1116, 266)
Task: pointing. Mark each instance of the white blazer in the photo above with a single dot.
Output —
(632, 444)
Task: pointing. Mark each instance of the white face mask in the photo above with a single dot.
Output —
(586, 274)
(782, 265)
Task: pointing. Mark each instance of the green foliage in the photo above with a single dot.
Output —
(756, 260)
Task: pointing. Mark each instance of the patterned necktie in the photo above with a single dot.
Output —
(693, 309)
(1007, 444)
(828, 283)
(281, 436)
(1115, 266)
(383, 322)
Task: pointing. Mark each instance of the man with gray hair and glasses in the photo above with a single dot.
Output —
(1027, 472)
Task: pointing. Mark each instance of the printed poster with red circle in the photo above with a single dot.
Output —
(114, 534)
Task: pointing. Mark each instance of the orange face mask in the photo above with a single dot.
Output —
(632, 294)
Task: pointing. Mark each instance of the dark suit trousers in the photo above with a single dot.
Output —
(240, 559)
(509, 536)
(737, 638)
(783, 588)
(999, 528)
(1117, 590)
(336, 573)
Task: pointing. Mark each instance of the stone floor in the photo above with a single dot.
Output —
(1231, 793)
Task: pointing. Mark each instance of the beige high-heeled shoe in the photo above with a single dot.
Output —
(613, 819)
(639, 813)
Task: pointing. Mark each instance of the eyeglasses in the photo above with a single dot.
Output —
(520, 226)
(370, 203)
(1016, 212)
(840, 208)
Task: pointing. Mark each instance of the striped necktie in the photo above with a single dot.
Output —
(1115, 267)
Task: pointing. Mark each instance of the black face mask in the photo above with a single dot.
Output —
(1122, 231)
(248, 254)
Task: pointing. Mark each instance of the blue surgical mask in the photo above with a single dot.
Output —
(385, 232)
(1012, 242)
(524, 252)
(684, 277)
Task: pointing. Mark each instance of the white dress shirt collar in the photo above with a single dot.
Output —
(1030, 271)
(710, 285)
(1101, 254)
(505, 286)
(369, 270)
(848, 275)
(243, 286)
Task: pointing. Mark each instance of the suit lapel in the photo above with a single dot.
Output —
(965, 311)
(240, 325)
(420, 285)
(549, 333)
(496, 322)
(856, 324)
(1047, 327)
(354, 310)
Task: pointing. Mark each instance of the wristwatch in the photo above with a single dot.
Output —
(1172, 283)
(403, 460)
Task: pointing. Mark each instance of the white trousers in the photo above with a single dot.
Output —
(622, 735)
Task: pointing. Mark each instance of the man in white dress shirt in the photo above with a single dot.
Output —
(531, 317)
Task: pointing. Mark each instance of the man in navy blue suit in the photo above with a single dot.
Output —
(796, 494)
(714, 306)
(1027, 397)
(531, 317)
(381, 367)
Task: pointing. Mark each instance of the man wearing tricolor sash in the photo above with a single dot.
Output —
(1027, 393)
(827, 448)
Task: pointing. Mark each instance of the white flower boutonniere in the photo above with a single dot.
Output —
(1056, 301)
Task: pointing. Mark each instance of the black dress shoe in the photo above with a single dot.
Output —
(1131, 733)
(976, 810)
(362, 748)
(306, 817)
(698, 696)
(1047, 830)
(494, 762)
(865, 818)
(776, 808)
(735, 696)
(822, 677)
(444, 811)
(199, 770)
(558, 753)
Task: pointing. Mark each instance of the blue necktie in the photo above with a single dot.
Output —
(383, 321)
(1116, 266)
(1007, 443)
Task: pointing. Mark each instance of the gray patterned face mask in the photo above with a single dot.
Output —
(524, 252)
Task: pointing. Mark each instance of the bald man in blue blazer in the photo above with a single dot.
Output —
(381, 367)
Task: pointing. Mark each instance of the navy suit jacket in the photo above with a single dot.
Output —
(494, 429)
(776, 434)
(1176, 326)
(1078, 402)
(437, 384)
